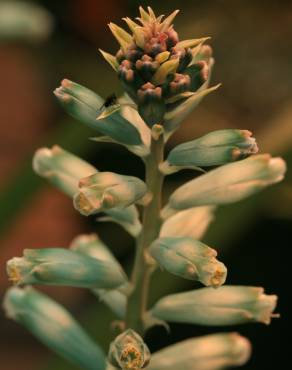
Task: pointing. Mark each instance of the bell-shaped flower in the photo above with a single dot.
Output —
(228, 305)
(106, 190)
(229, 183)
(210, 352)
(58, 266)
(216, 148)
(54, 326)
(128, 351)
(191, 222)
(190, 259)
(61, 168)
(84, 105)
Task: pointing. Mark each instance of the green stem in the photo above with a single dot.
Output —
(137, 303)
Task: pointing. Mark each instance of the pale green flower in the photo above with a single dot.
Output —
(213, 149)
(228, 305)
(229, 183)
(211, 352)
(190, 259)
(84, 105)
(54, 326)
(58, 266)
(106, 190)
(128, 351)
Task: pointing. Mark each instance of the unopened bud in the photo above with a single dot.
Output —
(151, 106)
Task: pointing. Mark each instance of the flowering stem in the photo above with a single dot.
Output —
(137, 302)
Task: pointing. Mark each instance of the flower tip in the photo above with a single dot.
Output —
(82, 205)
(269, 303)
(219, 277)
(40, 155)
(242, 349)
(66, 83)
(12, 270)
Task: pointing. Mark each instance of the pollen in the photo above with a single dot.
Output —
(131, 358)
(14, 274)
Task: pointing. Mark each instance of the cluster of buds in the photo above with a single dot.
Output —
(157, 70)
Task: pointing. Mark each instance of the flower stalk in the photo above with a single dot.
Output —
(137, 302)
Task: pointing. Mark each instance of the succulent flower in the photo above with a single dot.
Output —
(106, 190)
(229, 305)
(54, 326)
(229, 183)
(58, 266)
(190, 259)
(157, 70)
(84, 105)
(211, 352)
(129, 352)
(213, 149)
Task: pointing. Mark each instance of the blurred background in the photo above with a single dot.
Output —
(251, 41)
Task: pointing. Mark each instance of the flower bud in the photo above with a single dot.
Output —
(59, 266)
(228, 305)
(164, 70)
(216, 148)
(128, 351)
(180, 84)
(199, 73)
(191, 223)
(106, 190)
(54, 326)
(61, 168)
(190, 259)
(230, 183)
(84, 105)
(151, 106)
(146, 66)
(210, 352)
(149, 58)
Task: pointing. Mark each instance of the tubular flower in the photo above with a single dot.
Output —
(128, 351)
(158, 71)
(190, 259)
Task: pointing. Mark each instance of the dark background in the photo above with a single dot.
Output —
(252, 47)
